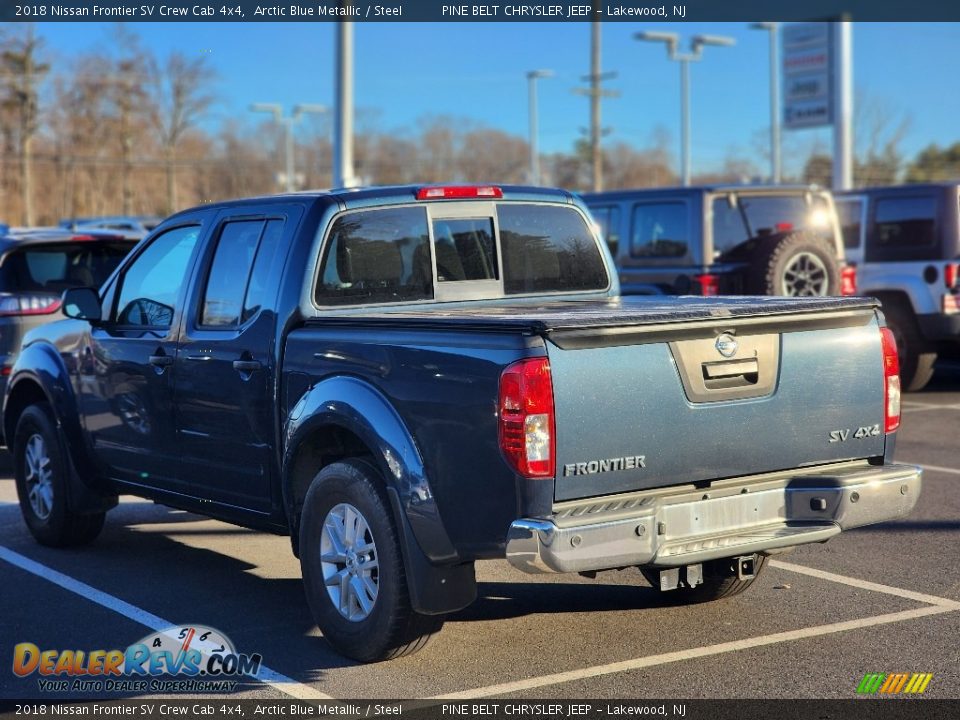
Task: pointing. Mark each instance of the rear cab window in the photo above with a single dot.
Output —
(458, 251)
(54, 267)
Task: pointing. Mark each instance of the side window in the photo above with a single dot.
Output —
(465, 249)
(266, 268)
(149, 287)
(377, 256)
(608, 218)
(229, 273)
(660, 230)
(905, 222)
(849, 213)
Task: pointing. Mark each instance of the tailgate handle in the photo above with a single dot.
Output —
(732, 373)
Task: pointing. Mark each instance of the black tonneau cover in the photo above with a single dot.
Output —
(592, 316)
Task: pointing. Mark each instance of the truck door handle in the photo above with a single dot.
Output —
(161, 361)
(246, 366)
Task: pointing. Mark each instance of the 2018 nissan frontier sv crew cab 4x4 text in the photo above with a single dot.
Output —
(407, 380)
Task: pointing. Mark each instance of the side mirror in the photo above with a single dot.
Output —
(82, 303)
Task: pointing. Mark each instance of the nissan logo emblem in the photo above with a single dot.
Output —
(727, 345)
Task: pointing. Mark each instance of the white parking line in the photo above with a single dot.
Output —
(867, 585)
(693, 653)
(280, 682)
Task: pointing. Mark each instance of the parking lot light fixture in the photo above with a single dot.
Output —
(697, 43)
(288, 122)
(532, 77)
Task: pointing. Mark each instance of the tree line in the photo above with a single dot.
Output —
(131, 132)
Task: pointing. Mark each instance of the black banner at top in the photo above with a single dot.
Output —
(474, 10)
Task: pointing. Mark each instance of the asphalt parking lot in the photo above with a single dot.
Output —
(880, 599)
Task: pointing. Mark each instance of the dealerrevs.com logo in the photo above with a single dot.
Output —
(184, 658)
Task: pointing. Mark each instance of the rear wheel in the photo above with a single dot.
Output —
(720, 580)
(353, 569)
(917, 356)
(40, 468)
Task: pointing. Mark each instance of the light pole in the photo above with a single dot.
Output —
(774, 29)
(532, 78)
(288, 122)
(697, 43)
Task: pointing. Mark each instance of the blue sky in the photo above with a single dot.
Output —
(477, 71)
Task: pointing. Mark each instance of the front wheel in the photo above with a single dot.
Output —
(353, 569)
(40, 468)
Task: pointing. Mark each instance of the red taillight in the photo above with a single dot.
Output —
(783, 227)
(28, 305)
(709, 285)
(459, 192)
(848, 280)
(6, 370)
(950, 275)
(527, 434)
(891, 381)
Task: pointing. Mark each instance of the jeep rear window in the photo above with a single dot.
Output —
(548, 248)
(57, 266)
(752, 217)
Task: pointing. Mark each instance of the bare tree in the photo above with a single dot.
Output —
(180, 88)
(22, 70)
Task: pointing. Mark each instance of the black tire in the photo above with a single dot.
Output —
(917, 356)
(40, 468)
(390, 628)
(719, 581)
(795, 264)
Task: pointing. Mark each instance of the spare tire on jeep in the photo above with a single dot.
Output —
(795, 264)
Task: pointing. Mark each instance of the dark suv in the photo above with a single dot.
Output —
(36, 266)
(905, 241)
(724, 240)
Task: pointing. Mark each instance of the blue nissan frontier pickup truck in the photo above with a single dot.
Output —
(407, 380)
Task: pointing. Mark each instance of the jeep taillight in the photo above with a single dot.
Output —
(891, 381)
(526, 416)
(950, 275)
(848, 280)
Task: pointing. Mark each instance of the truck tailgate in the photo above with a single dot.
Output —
(713, 396)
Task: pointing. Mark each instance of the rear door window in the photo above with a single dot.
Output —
(660, 230)
(230, 273)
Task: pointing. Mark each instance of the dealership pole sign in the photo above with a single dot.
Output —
(808, 75)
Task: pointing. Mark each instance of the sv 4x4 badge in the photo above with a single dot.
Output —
(862, 432)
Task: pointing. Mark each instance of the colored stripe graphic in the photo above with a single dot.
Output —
(894, 683)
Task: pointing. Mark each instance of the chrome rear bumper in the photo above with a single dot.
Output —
(682, 526)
